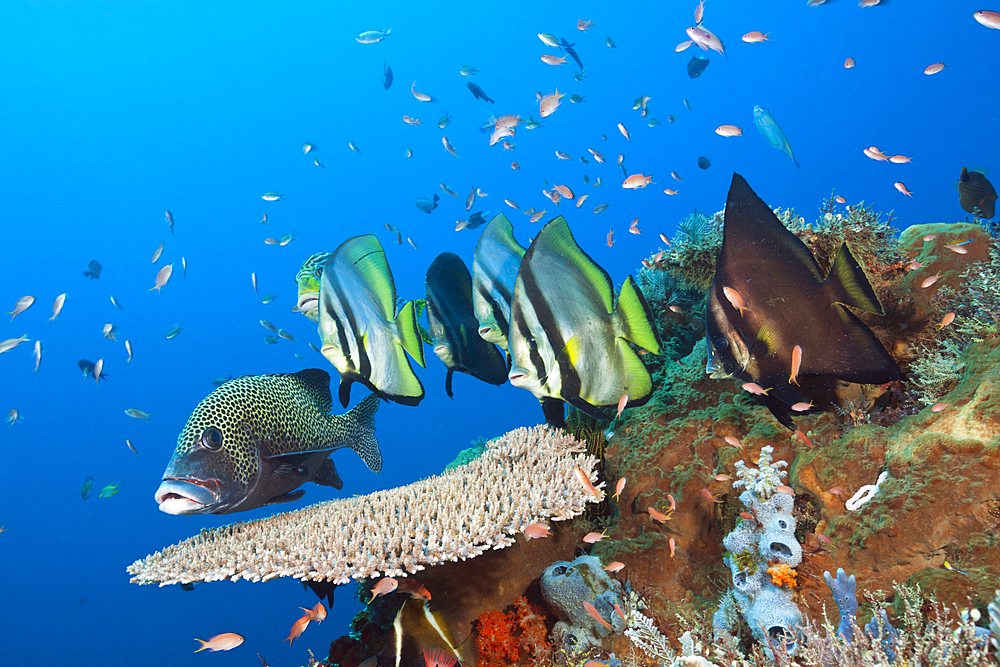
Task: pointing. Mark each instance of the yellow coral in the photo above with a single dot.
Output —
(782, 574)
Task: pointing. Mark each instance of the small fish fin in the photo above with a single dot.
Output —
(636, 319)
(447, 383)
(296, 458)
(285, 498)
(553, 410)
(768, 336)
(849, 284)
(409, 335)
(327, 475)
(361, 433)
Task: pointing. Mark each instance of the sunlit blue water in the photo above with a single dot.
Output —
(112, 113)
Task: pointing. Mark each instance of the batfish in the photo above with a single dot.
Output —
(769, 296)
(568, 340)
(770, 130)
(494, 269)
(257, 438)
(361, 333)
(453, 325)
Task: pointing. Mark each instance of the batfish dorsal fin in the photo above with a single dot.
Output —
(849, 284)
(366, 256)
(757, 230)
(560, 240)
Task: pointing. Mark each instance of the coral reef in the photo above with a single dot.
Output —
(524, 477)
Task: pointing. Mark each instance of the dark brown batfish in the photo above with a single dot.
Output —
(769, 296)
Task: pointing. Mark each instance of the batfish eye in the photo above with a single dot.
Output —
(721, 343)
(211, 438)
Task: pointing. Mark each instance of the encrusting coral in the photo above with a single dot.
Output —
(521, 478)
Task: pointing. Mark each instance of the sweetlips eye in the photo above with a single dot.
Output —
(211, 438)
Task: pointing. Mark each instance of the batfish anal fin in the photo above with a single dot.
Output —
(554, 412)
(289, 497)
(447, 383)
(327, 475)
(345, 391)
(409, 334)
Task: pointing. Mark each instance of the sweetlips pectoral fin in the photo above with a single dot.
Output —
(849, 284)
(636, 318)
(327, 475)
(290, 497)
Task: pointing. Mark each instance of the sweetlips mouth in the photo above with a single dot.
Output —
(185, 496)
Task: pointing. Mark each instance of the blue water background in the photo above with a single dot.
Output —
(114, 112)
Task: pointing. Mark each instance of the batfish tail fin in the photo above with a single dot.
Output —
(361, 432)
(850, 286)
(636, 318)
(397, 381)
(409, 336)
(637, 382)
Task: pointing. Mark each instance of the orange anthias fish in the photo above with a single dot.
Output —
(223, 642)
(596, 616)
(902, 188)
(658, 515)
(549, 103)
(413, 588)
(317, 613)
(619, 487)
(536, 531)
(384, 586)
(755, 36)
(298, 627)
(849, 63)
(614, 566)
(637, 181)
(593, 538)
(552, 60)
(587, 484)
(796, 364)
(622, 402)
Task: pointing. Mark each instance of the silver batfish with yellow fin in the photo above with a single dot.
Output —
(256, 439)
(568, 339)
(494, 269)
(360, 331)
